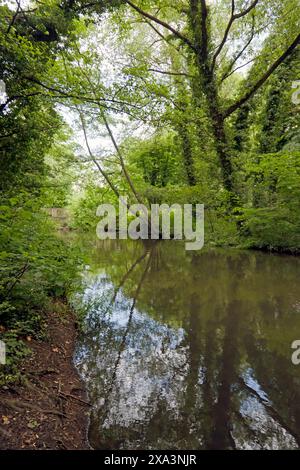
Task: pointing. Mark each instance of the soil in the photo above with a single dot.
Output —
(50, 409)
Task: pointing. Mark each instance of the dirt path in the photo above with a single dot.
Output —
(50, 411)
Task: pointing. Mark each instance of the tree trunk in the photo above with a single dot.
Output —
(187, 153)
(207, 85)
(182, 126)
(218, 125)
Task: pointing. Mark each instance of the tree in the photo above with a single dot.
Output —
(201, 43)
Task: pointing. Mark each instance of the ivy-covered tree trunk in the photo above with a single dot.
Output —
(219, 132)
(187, 153)
(198, 24)
(182, 124)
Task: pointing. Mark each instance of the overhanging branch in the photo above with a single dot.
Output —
(263, 79)
(156, 20)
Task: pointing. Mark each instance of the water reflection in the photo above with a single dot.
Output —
(190, 350)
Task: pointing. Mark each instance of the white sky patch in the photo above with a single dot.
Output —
(14, 5)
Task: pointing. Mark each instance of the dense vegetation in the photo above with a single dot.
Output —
(189, 101)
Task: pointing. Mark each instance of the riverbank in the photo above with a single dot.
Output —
(49, 410)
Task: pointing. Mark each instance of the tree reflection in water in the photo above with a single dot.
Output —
(190, 350)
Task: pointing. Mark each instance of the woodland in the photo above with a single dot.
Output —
(182, 101)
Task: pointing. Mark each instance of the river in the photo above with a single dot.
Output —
(189, 350)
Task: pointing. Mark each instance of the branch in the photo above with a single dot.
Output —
(263, 79)
(14, 17)
(156, 30)
(111, 135)
(124, 279)
(204, 38)
(233, 17)
(227, 30)
(78, 97)
(245, 12)
(164, 38)
(170, 28)
(51, 34)
(119, 153)
(103, 173)
(17, 97)
(237, 68)
(166, 72)
(237, 57)
(18, 277)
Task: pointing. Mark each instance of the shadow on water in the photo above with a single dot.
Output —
(190, 350)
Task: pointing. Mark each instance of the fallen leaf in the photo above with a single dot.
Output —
(5, 419)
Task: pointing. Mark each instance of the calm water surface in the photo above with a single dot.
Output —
(190, 350)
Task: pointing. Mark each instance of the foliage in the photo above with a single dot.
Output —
(84, 209)
(157, 159)
(61, 169)
(173, 103)
(273, 220)
(35, 265)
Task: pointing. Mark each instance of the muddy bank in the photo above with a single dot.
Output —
(50, 410)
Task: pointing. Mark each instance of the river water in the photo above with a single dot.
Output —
(190, 350)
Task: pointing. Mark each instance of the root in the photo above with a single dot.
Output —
(19, 406)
